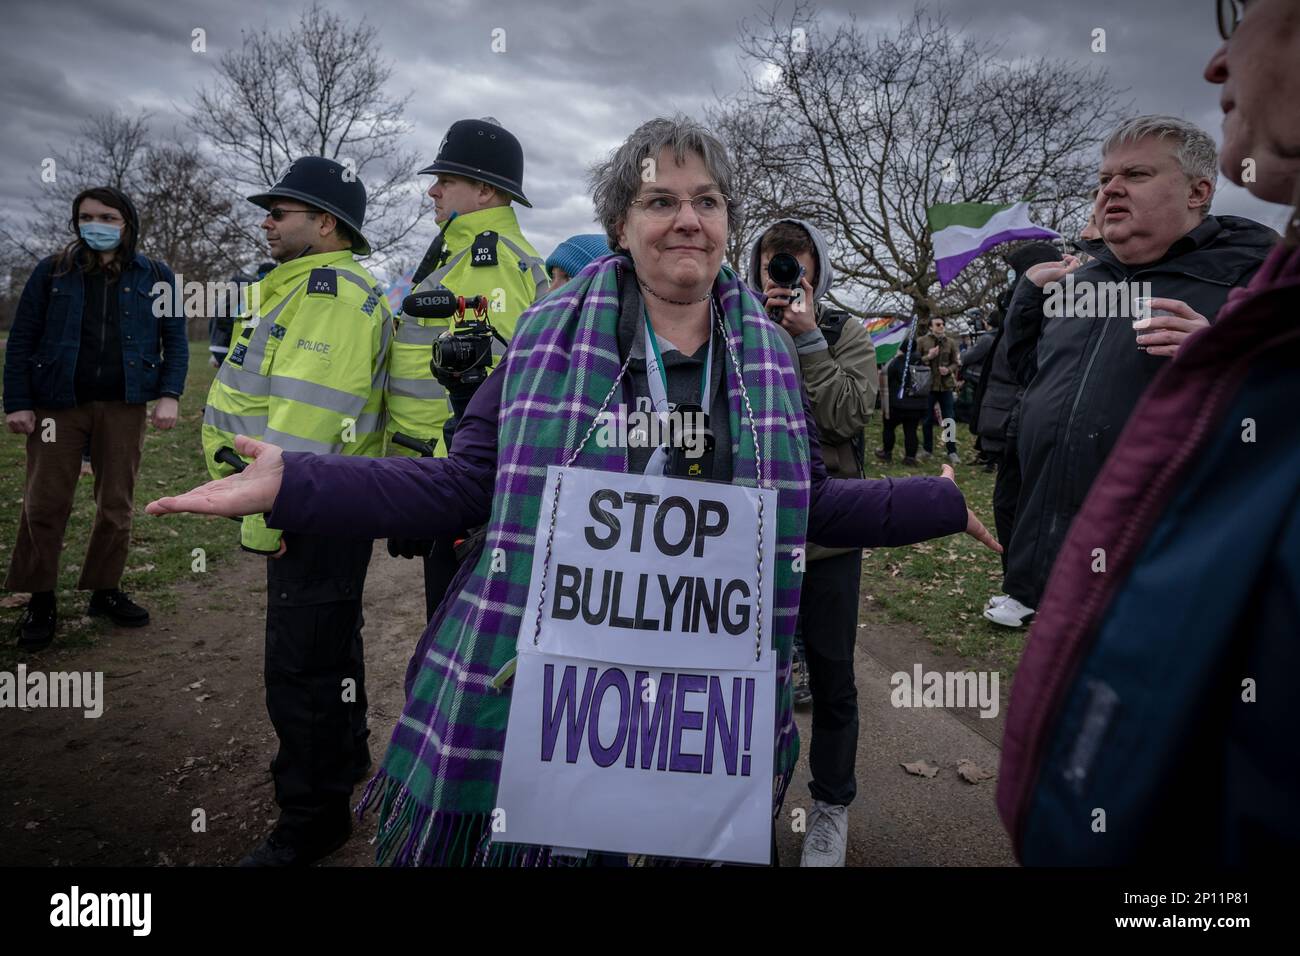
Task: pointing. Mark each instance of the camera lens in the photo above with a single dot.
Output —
(784, 270)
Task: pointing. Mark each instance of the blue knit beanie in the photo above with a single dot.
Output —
(576, 251)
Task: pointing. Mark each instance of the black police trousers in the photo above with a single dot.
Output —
(315, 680)
(828, 622)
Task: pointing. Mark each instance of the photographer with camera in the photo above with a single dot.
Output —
(479, 251)
(790, 263)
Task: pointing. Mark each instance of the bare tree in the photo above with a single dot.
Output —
(866, 130)
(317, 89)
(761, 196)
(185, 218)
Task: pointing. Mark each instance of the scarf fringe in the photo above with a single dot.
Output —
(410, 834)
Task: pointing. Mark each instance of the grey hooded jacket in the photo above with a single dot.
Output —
(838, 363)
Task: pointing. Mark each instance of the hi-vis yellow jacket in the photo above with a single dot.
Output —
(487, 256)
(306, 372)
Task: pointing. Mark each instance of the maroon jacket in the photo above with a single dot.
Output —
(1181, 498)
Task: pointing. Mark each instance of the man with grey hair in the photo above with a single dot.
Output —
(1086, 340)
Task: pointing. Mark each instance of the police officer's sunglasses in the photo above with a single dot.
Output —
(279, 212)
(1230, 13)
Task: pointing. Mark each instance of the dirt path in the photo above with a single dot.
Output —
(185, 728)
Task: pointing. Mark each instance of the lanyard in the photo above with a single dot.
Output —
(657, 382)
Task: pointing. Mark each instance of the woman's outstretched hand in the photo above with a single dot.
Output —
(251, 491)
(974, 527)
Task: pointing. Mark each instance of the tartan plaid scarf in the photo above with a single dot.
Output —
(436, 790)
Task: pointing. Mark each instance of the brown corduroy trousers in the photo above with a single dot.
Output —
(114, 432)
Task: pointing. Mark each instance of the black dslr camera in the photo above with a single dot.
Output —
(785, 270)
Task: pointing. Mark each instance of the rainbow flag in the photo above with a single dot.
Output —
(887, 334)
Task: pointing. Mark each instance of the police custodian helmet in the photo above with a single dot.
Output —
(485, 150)
(327, 185)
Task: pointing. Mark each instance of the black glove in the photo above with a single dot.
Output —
(409, 548)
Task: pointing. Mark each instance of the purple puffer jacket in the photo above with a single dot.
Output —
(431, 497)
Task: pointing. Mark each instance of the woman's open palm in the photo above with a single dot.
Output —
(251, 491)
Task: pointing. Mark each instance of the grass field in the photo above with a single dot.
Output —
(941, 586)
(162, 552)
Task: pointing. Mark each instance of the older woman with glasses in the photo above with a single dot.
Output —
(661, 321)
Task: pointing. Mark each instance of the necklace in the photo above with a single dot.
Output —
(673, 301)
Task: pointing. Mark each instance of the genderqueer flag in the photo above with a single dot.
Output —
(961, 231)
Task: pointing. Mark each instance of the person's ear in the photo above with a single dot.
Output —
(1201, 193)
(620, 233)
(326, 223)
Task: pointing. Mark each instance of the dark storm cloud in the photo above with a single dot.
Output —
(574, 80)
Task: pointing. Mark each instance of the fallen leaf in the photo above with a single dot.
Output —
(196, 685)
(15, 600)
(202, 697)
(920, 769)
(968, 771)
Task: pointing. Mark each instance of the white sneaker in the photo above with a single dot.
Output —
(923, 455)
(827, 839)
(997, 599)
(1010, 613)
(954, 458)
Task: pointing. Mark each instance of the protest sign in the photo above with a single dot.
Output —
(643, 710)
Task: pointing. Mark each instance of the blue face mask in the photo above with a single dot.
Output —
(100, 236)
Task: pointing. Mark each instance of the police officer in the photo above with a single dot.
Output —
(306, 372)
(479, 251)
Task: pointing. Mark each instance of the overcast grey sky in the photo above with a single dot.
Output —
(577, 76)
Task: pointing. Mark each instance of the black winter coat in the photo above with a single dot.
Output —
(1086, 374)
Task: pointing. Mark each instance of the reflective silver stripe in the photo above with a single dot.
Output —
(251, 425)
(416, 388)
(257, 344)
(433, 278)
(358, 281)
(498, 349)
(294, 443)
(409, 333)
(381, 360)
(321, 396)
(370, 423)
(536, 266)
(242, 380)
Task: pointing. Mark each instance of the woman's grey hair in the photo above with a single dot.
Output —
(1194, 149)
(618, 180)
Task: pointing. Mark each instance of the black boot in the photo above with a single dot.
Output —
(36, 626)
(118, 607)
(289, 847)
